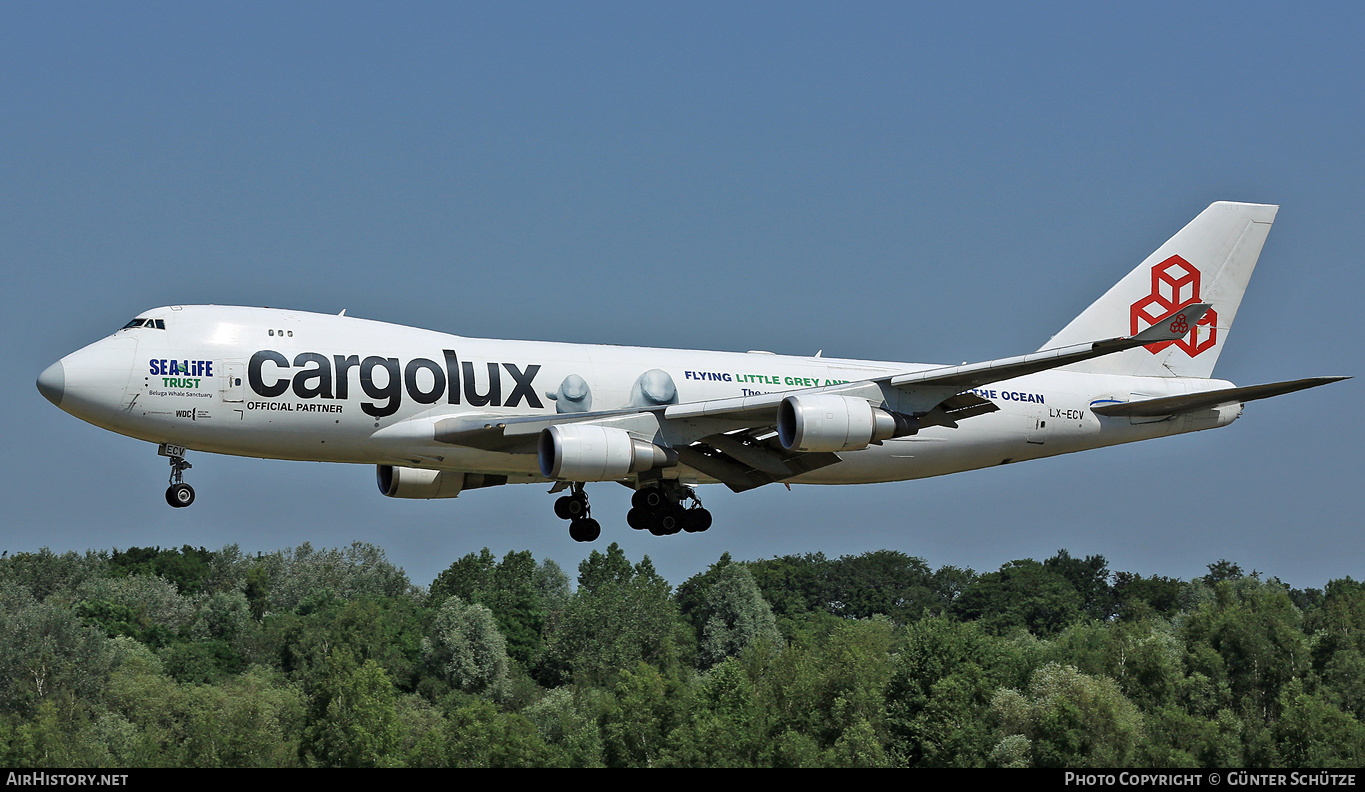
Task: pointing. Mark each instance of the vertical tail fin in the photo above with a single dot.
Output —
(1210, 260)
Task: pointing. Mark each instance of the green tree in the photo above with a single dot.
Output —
(1313, 732)
(388, 630)
(470, 578)
(1137, 597)
(1337, 625)
(1175, 738)
(478, 735)
(567, 722)
(1069, 719)
(734, 615)
(620, 615)
(45, 573)
(1247, 635)
(939, 694)
(512, 589)
(885, 582)
(251, 720)
(1090, 578)
(354, 720)
(637, 720)
(948, 583)
(187, 568)
(303, 572)
(726, 727)
(153, 605)
(1021, 594)
(830, 684)
(465, 649)
(46, 649)
(793, 585)
(1146, 659)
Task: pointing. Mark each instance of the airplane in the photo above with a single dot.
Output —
(440, 414)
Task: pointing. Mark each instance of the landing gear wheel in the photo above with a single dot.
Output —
(180, 495)
(571, 507)
(667, 520)
(574, 505)
(584, 529)
(637, 518)
(696, 520)
(649, 498)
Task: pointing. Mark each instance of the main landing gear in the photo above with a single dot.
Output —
(658, 509)
(574, 508)
(179, 494)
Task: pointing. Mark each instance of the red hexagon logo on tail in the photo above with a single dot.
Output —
(1175, 284)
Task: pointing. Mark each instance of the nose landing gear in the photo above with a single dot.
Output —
(179, 494)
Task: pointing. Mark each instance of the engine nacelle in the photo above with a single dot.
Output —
(586, 452)
(406, 482)
(828, 422)
(1211, 418)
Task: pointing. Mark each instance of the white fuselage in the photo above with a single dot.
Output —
(293, 385)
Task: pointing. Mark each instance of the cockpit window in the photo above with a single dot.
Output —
(159, 324)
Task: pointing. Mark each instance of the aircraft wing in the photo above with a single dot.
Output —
(733, 439)
(1172, 405)
(964, 377)
(921, 391)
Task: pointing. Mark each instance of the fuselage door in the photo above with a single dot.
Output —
(234, 373)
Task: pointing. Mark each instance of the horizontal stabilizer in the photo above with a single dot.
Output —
(1171, 405)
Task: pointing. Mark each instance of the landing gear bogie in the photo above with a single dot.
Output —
(574, 508)
(658, 508)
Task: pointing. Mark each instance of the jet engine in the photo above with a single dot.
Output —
(827, 422)
(406, 482)
(585, 452)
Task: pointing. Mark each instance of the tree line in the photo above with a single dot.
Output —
(333, 657)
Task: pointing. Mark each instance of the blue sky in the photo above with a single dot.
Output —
(922, 182)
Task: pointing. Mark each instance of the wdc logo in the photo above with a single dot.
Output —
(1175, 284)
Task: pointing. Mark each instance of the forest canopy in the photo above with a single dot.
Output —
(333, 657)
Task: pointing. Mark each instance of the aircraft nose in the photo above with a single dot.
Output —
(52, 383)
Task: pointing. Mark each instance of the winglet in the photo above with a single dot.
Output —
(1172, 328)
